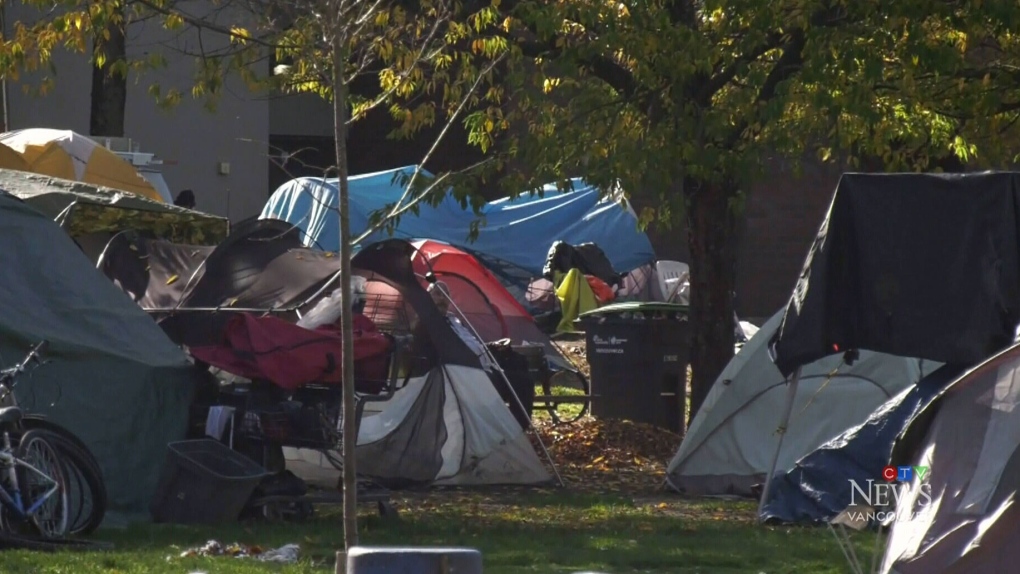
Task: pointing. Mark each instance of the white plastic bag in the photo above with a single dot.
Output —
(327, 310)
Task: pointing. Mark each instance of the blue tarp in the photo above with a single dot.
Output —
(518, 231)
(818, 488)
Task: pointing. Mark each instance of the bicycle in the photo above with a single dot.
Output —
(33, 484)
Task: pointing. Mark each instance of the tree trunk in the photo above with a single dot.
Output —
(350, 428)
(109, 88)
(712, 238)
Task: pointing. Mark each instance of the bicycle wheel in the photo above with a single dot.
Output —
(567, 384)
(87, 496)
(51, 518)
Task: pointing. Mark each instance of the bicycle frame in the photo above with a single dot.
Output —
(12, 499)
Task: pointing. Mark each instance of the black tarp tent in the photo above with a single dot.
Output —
(915, 265)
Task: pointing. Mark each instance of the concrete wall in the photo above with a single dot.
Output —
(196, 139)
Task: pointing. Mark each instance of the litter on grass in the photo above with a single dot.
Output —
(287, 554)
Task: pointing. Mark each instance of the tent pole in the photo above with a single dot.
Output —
(520, 404)
(791, 393)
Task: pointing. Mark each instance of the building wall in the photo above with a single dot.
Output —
(193, 138)
(782, 215)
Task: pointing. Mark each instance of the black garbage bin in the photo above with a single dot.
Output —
(638, 353)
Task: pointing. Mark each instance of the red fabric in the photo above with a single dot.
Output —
(290, 356)
(370, 372)
(603, 292)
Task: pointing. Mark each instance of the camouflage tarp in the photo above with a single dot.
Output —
(83, 209)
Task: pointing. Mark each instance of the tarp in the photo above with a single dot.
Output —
(115, 380)
(519, 231)
(731, 441)
(818, 488)
(83, 209)
(915, 265)
(962, 517)
(261, 265)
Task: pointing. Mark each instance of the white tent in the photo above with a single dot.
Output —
(732, 440)
(474, 440)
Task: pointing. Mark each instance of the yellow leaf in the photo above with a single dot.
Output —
(598, 460)
(172, 279)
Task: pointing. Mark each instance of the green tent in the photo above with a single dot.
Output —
(114, 379)
(83, 209)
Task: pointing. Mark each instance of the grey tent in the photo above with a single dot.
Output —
(114, 378)
(962, 516)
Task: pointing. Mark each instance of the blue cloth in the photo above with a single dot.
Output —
(518, 231)
(818, 488)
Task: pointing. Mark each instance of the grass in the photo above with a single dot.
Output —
(517, 532)
(565, 410)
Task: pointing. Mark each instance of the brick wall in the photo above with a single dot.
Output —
(781, 218)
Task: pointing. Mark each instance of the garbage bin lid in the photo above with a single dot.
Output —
(636, 307)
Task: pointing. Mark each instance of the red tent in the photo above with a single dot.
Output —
(476, 292)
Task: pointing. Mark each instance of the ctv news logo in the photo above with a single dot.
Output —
(879, 500)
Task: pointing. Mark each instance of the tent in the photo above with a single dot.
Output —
(817, 489)
(914, 265)
(85, 210)
(69, 155)
(448, 426)
(962, 516)
(519, 231)
(115, 380)
(481, 298)
(731, 442)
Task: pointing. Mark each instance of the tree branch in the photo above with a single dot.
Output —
(703, 96)
(786, 66)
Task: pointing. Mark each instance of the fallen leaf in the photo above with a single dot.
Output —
(172, 279)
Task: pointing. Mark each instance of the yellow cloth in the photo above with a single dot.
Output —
(575, 297)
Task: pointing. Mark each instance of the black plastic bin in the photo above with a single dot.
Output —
(204, 482)
(638, 354)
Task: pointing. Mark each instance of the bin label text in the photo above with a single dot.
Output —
(611, 341)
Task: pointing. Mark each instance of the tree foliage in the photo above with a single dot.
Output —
(661, 91)
(681, 100)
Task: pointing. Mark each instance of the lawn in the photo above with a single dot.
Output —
(517, 531)
(613, 516)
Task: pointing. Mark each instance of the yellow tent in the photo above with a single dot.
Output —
(10, 159)
(69, 155)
